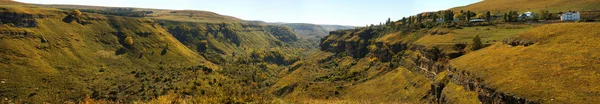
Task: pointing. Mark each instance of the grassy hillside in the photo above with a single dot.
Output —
(51, 56)
(218, 37)
(531, 5)
(334, 78)
(311, 31)
(337, 27)
(137, 55)
(60, 59)
(222, 41)
(561, 66)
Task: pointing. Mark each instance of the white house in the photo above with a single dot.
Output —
(570, 16)
(527, 15)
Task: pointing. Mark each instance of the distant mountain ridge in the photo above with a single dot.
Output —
(306, 30)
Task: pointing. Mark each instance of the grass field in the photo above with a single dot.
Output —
(488, 34)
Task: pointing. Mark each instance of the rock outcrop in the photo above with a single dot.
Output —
(18, 19)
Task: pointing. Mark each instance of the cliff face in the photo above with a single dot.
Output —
(19, 20)
(228, 39)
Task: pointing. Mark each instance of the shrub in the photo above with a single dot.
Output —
(128, 41)
(202, 46)
(76, 13)
(476, 43)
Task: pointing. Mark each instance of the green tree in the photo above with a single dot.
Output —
(514, 16)
(505, 17)
(449, 16)
(419, 18)
(469, 15)
(545, 14)
(488, 16)
(389, 21)
(434, 16)
(476, 43)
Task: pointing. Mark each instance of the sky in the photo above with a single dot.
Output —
(333, 12)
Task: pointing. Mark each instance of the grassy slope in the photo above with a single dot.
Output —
(400, 85)
(312, 31)
(531, 5)
(336, 27)
(562, 65)
(81, 58)
(328, 78)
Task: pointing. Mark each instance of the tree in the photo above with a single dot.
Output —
(488, 16)
(545, 14)
(419, 18)
(434, 16)
(514, 16)
(511, 16)
(76, 13)
(505, 17)
(476, 43)
(469, 14)
(449, 16)
(389, 21)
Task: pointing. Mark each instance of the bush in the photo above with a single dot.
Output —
(202, 46)
(76, 13)
(128, 41)
(476, 43)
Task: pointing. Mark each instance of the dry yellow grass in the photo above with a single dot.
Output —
(561, 67)
(400, 85)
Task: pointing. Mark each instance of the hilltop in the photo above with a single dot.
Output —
(308, 31)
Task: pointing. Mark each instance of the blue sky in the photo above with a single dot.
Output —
(340, 12)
